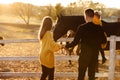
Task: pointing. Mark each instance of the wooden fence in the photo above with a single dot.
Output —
(112, 57)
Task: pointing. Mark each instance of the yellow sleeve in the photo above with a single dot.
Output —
(51, 44)
(97, 21)
(54, 45)
(104, 44)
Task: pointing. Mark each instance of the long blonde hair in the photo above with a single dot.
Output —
(45, 26)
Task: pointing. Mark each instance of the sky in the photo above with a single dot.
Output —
(107, 3)
(110, 3)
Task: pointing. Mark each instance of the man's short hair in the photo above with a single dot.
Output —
(89, 12)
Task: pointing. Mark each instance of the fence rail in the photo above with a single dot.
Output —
(37, 74)
(112, 57)
(57, 57)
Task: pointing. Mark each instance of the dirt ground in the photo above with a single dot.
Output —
(32, 49)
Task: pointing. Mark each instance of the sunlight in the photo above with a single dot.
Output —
(40, 2)
(107, 3)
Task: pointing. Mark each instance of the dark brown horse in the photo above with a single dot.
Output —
(65, 23)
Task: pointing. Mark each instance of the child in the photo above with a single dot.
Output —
(47, 48)
(96, 20)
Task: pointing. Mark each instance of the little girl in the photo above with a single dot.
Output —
(47, 48)
(97, 21)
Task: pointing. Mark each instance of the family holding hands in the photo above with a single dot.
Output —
(89, 35)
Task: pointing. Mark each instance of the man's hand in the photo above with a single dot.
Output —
(67, 51)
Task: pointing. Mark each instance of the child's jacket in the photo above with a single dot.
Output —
(47, 48)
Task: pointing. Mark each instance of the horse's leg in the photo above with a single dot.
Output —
(70, 53)
(1, 38)
(61, 50)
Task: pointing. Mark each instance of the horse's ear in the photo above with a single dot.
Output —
(59, 16)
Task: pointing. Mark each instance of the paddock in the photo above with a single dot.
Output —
(111, 74)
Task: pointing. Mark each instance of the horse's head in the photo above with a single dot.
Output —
(65, 23)
(60, 28)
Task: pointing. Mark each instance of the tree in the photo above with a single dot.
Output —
(83, 4)
(42, 11)
(49, 10)
(73, 9)
(23, 10)
(59, 9)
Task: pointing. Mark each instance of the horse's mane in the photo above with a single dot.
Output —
(71, 21)
(71, 18)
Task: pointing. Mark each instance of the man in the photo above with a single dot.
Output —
(91, 37)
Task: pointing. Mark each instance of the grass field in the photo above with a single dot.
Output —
(32, 49)
(7, 18)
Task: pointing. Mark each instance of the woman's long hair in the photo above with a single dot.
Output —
(45, 26)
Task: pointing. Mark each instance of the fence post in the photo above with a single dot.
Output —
(112, 57)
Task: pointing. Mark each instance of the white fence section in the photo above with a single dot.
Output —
(111, 74)
(112, 56)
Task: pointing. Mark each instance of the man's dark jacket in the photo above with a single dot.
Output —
(90, 37)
